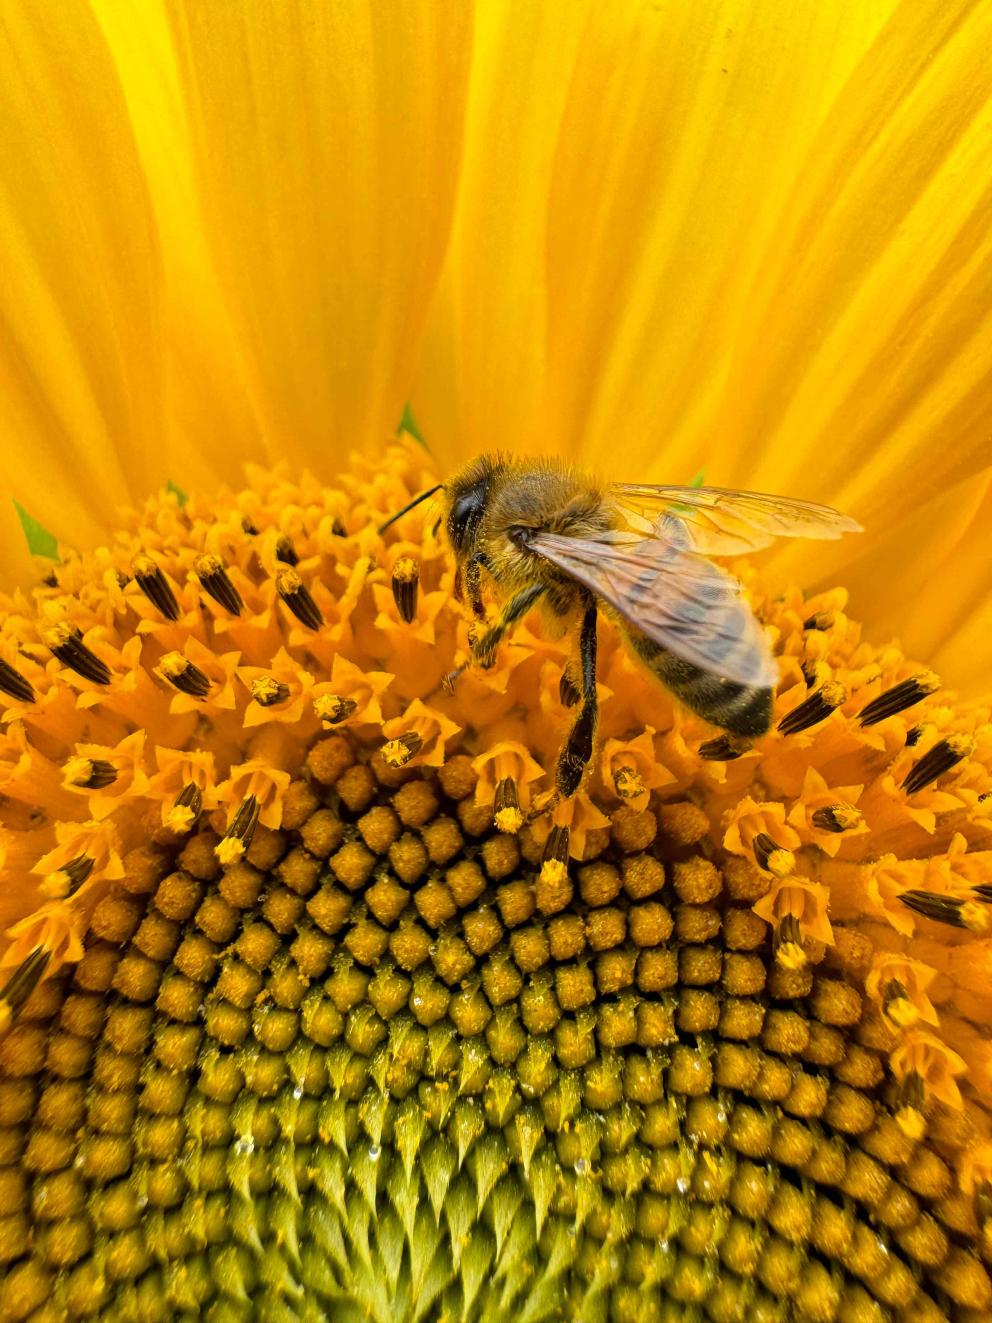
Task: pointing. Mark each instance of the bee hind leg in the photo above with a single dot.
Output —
(577, 750)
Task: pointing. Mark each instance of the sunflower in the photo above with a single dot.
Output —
(305, 1011)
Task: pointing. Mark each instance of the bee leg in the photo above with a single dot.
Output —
(473, 584)
(484, 648)
(577, 751)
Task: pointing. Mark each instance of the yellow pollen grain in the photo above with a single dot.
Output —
(781, 863)
(229, 850)
(173, 664)
(509, 820)
(77, 771)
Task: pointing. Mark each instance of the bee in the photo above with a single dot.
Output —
(546, 534)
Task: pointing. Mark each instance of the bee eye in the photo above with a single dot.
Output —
(464, 512)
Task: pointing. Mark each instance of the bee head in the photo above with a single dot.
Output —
(468, 494)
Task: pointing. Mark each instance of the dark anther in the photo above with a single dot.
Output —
(506, 806)
(837, 818)
(398, 752)
(983, 892)
(556, 846)
(21, 984)
(155, 586)
(913, 736)
(822, 620)
(568, 691)
(248, 526)
(787, 942)
(405, 582)
(77, 871)
(267, 691)
(721, 750)
(334, 708)
(299, 599)
(67, 645)
(216, 581)
(814, 672)
(98, 775)
(186, 677)
(898, 698)
(338, 528)
(191, 797)
(944, 755)
(764, 847)
(13, 683)
(245, 821)
(814, 709)
(945, 909)
(286, 552)
(51, 579)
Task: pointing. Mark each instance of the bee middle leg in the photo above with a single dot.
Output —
(577, 750)
(484, 648)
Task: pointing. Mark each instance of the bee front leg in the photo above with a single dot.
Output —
(484, 648)
(577, 751)
(473, 584)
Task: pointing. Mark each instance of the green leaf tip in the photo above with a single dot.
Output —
(177, 492)
(408, 424)
(40, 541)
(698, 479)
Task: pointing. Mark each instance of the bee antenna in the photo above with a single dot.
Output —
(416, 501)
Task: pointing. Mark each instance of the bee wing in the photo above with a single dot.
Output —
(729, 523)
(678, 599)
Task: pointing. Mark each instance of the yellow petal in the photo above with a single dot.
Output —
(207, 411)
(80, 363)
(327, 142)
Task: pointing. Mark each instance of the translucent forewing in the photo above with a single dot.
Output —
(676, 598)
(729, 523)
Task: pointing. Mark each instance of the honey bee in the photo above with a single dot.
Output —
(549, 535)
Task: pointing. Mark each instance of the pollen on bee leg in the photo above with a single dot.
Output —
(21, 984)
(814, 709)
(184, 676)
(899, 697)
(944, 755)
(398, 752)
(215, 580)
(68, 647)
(153, 583)
(723, 749)
(89, 773)
(299, 599)
(772, 857)
(186, 810)
(267, 691)
(332, 709)
(405, 582)
(238, 837)
(837, 818)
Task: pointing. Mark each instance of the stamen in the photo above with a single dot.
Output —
(404, 583)
(952, 910)
(67, 645)
(899, 697)
(67, 880)
(896, 1005)
(627, 783)
(21, 984)
(772, 857)
(822, 621)
(837, 818)
(248, 526)
(944, 755)
(723, 749)
(507, 813)
(338, 528)
(215, 580)
(90, 773)
(267, 691)
(909, 1106)
(238, 837)
(815, 672)
(554, 865)
(286, 552)
(787, 943)
(13, 683)
(333, 709)
(187, 808)
(398, 752)
(155, 586)
(186, 677)
(814, 709)
(568, 691)
(299, 599)
(913, 737)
